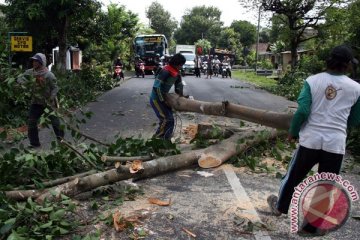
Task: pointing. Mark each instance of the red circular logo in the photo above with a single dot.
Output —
(325, 205)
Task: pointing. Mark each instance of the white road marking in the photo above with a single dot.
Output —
(244, 201)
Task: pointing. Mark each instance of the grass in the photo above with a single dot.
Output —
(251, 77)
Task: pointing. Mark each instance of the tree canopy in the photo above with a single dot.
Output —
(246, 30)
(161, 20)
(197, 23)
(48, 21)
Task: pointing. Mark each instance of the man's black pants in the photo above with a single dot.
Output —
(302, 162)
(35, 112)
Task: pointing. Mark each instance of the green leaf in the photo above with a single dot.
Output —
(15, 236)
(56, 216)
(47, 209)
(6, 228)
(3, 135)
(47, 225)
(63, 230)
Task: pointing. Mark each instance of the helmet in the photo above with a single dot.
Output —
(215, 56)
(158, 55)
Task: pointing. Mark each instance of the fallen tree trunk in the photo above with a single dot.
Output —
(59, 181)
(151, 168)
(226, 109)
(216, 155)
(223, 151)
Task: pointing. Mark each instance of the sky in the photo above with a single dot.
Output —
(231, 9)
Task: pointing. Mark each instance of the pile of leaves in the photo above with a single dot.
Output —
(29, 220)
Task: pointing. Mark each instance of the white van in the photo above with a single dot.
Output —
(189, 66)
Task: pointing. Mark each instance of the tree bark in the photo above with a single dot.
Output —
(226, 109)
(59, 181)
(105, 158)
(209, 157)
(217, 154)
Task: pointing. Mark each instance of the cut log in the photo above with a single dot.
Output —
(151, 168)
(58, 181)
(21, 195)
(217, 154)
(226, 109)
(223, 151)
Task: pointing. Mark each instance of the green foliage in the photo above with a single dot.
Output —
(290, 85)
(197, 23)
(229, 39)
(29, 220)
(311, 64)
(352, 144)
(205, 44)
(246, 32)
(89, 82)
(266, 64)
(34, 166)
(252, 158)
(161, 20)
(139, 147)
(13, 101)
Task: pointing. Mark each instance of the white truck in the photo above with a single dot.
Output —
(185, 49)
(189, 53)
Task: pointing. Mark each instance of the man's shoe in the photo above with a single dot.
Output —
(308, 230)
(272, 201)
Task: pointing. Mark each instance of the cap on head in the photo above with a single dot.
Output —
(344, 54)
(40, 58)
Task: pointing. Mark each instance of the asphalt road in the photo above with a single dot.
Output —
(208, 203)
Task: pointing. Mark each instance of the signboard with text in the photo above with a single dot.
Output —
(21, 43)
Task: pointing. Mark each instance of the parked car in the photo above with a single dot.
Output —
(189, 66)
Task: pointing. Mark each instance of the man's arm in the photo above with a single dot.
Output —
(53, 86)
(179, 87)
(303, 111)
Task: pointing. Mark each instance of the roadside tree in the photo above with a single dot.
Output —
(161, 20)
(246, 31)
(48, 21)
(199, 22)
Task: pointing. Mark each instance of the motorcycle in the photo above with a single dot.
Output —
(118, 73)
(140, 69)
(204, 67)
(226, 70)
(216, 69)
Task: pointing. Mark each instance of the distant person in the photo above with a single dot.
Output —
(118, 62)
(209, 71)
(166, 78)
(43, 86)
(118, 69)
(328, 105)
(198, 65)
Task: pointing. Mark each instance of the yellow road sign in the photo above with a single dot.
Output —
(21, 43)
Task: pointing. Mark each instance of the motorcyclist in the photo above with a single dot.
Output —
(227, 62)
(216, 65)
(118, 64)
(137, 62)
(158, 65)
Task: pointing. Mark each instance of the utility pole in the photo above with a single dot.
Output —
(257, 40)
